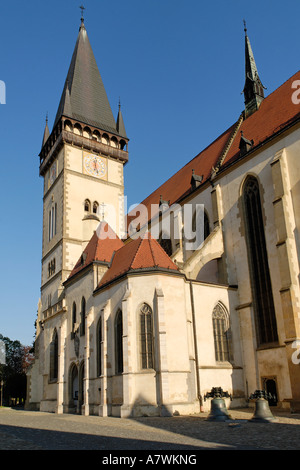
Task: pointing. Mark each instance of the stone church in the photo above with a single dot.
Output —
(139, 315)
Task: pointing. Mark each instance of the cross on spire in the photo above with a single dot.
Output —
(82, 8)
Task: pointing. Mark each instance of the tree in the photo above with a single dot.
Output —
(13, 372)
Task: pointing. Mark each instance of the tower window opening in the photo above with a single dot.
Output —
(87, 205)
(52, 221)
(95, 207)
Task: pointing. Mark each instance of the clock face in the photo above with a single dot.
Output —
(94, 165)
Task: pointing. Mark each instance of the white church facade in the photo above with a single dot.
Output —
(149, 322)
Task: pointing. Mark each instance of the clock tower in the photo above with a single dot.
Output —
(81, 162)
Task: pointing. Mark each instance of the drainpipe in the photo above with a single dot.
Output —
(200, 398)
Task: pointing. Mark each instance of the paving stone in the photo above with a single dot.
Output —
(27, 430)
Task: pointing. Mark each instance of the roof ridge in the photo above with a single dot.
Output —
(188, 163)
(160, 248)
(136, 251)
(151, 250)
(227, 146)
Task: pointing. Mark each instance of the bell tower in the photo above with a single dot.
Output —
(81, 162)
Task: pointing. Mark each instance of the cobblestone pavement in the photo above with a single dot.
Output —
(27, 430)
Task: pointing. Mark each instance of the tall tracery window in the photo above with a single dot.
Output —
(222, 333)
(54, 357)
(262, 296)
(119, 342)
(73, 320)
(82, 316)
(197, 220)
(99, 347)
(146, 332)
(52, 221)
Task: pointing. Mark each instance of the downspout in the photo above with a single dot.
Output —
(199, 396)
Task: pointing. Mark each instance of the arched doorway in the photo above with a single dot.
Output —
(271, 388)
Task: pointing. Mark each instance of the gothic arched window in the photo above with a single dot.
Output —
(99, 347)
(82, 316)
(146, 332)
(54, 357)
(73, 320)
(222, 336)
(197, 220)
(262, 296)
(119, 342)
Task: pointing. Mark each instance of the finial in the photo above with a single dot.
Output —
(119, 103)
(47, 117)
(245, 27)
(82, 8)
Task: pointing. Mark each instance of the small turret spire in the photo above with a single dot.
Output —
(46, 131)
(253, 89)
(120, 122)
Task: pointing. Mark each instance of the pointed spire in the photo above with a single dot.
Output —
(84, 97)
(46, 132)
(253, 89)
(120, 122)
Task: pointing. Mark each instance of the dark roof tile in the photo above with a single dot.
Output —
(87, 100)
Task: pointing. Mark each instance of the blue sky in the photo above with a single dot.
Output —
(178, 68)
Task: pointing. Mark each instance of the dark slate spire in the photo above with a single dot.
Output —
(84, 98)
(120, 123)
(253, 89)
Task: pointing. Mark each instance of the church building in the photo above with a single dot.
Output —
(139, 315)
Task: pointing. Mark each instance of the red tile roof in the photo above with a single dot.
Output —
(141, 253)
(179, 184)
(275, 113)
(101, 247)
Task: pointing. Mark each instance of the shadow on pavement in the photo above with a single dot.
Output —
(61, 440)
